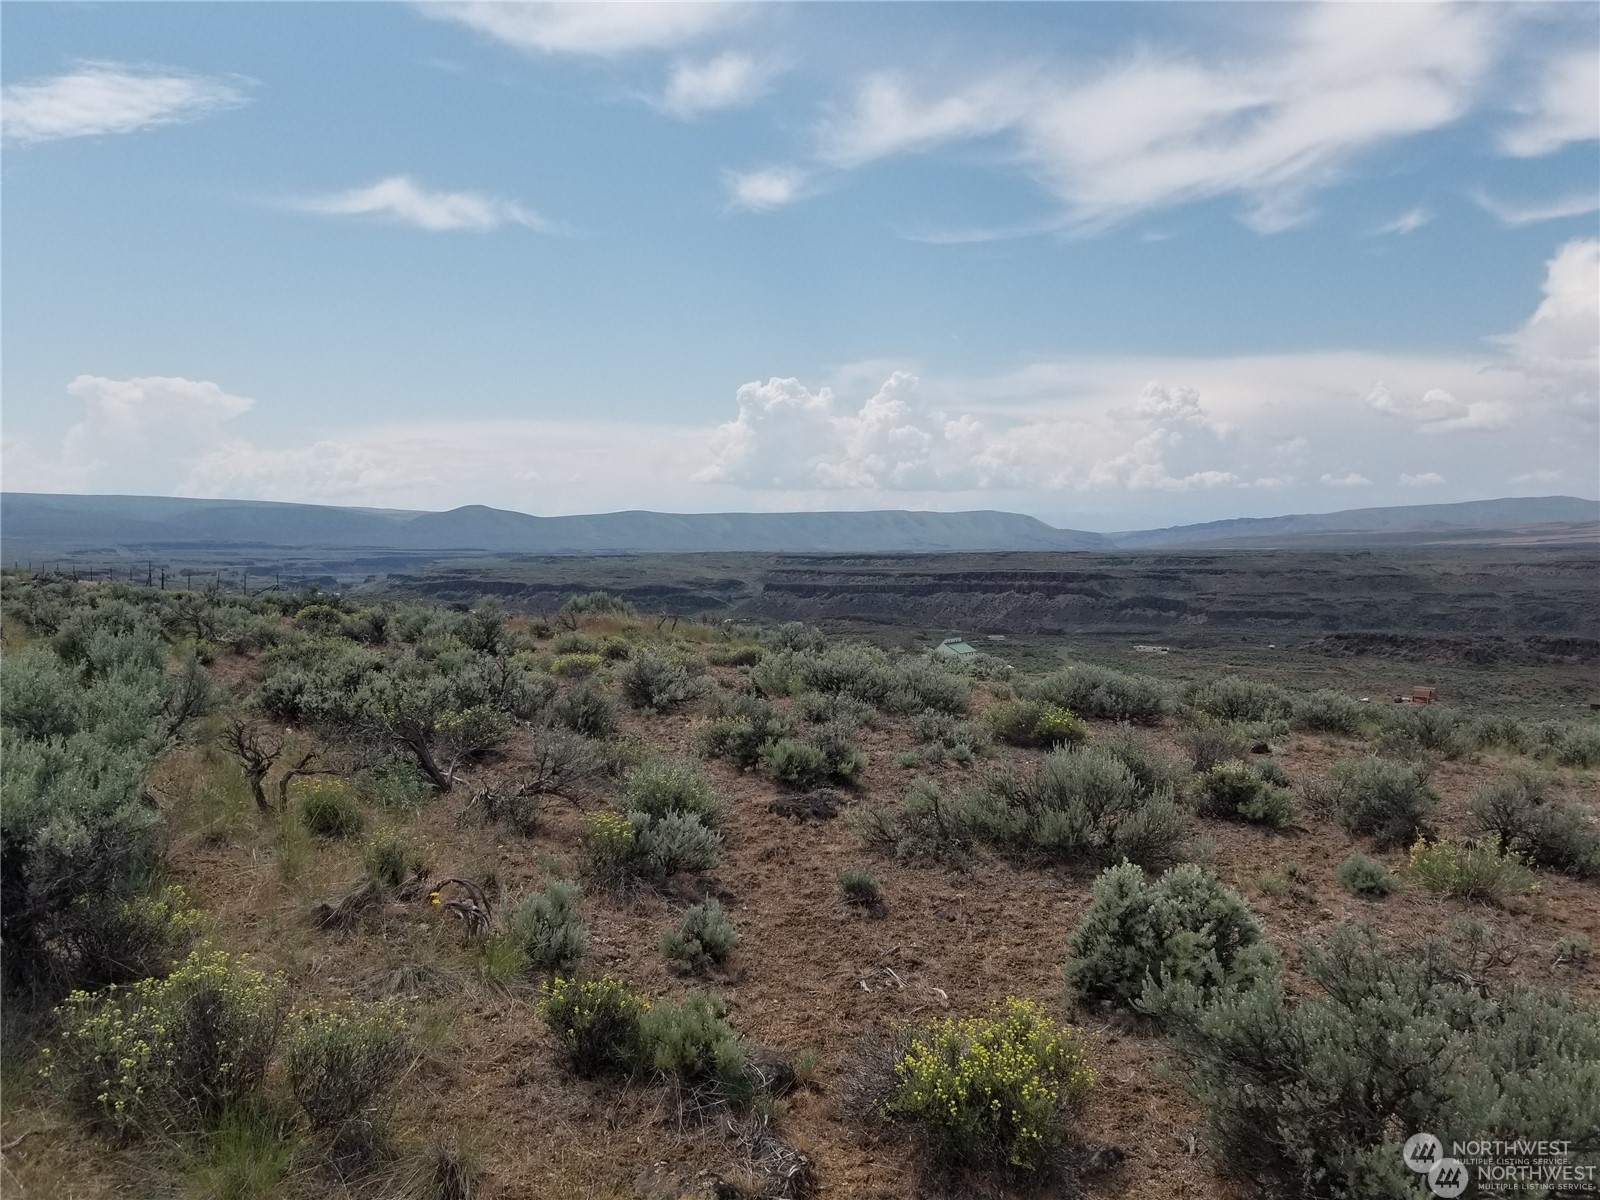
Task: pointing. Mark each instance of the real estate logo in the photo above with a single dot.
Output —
(1499, 1166)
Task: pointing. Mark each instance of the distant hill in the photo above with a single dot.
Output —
(1411, 522)
(33, 524)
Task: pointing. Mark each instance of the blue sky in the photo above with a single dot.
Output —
(1115, 264)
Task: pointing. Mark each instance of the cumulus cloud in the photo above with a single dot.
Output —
(726, 81)
(1561, 341)
(399, 200)
(1437, 411)
(596, 27)
(766, 189)
(1564, 107)
(1348, 479)
(1425, 479)
(1162, 127)
(1518, 213)
(788, 437)
(102, 97)
(128, 428)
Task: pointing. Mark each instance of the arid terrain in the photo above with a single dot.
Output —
(823, 984)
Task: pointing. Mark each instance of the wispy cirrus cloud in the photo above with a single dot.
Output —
(103, 97)
(1161, 127)
(1564, 106)
(595, 28)
(1408, 222)
(1517, 213)
(400, 200)
(725, 81)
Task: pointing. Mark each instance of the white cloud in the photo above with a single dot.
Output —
(129, 427)
(534, 466)
(1515, 214)
(766, 189)
(884, 118)
(1273, 126)
(1348, 479)
(1425, 479)
(1564, 108)
(1560, 343)
(1438, 411)
(594, 27)
(401, 201)
(726, 81)
(789, 437)
(102, 97)
(1408, 222)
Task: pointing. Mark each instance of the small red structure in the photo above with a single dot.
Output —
(1424, 695)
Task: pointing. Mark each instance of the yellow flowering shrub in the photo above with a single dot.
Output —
(168, 1053)
(597, 1021)
(1468, 872)
(988, 1090)
(341, 1061)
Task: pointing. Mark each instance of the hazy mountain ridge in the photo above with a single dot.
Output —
(1503, 514)
(61, 521)
(34, 523)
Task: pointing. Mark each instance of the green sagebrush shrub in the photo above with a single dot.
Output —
(1211, 744)
(1184, 928)
(704, 938)
(960, 739)
(341, 1063)
(1230, 698)
(548, 928)
(1519, 812)
(597, 1022)
(1238, 792)
(1328, 711)
(990, 1091)
(740, 728)
(828, 755)
(867, 674)
(655, 682)
(637, 846)
(168, 1054)
(1366, 876)
(1388, 801)
(1314, 1097)
(930, 825)
(825, 708)
(1419, 729)
(1091, 691)
(585, 709)
(1099, 803)
(691, 1042)
(662, 786)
